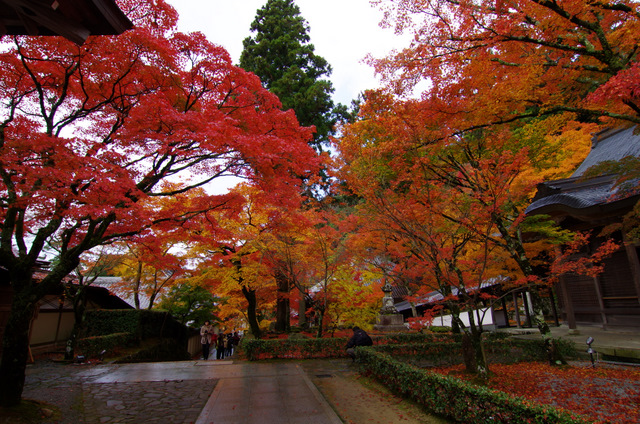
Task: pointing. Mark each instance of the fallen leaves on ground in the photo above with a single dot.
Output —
(603, 394)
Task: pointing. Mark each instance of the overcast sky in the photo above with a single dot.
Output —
(342, 31)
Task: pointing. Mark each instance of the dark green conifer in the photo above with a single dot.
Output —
(280, 53)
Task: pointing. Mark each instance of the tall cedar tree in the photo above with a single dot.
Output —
(281, 55)
(89, 133)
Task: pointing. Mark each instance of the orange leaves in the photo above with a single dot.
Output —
(522, 59)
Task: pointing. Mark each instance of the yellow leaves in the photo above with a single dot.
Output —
(355, 296)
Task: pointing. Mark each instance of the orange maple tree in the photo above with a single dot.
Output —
(423, 189)
(87, 132)
(519, 59)
(509, 88)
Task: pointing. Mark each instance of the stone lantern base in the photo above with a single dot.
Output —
(390, 323)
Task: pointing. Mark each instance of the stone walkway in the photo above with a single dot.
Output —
(203, 392)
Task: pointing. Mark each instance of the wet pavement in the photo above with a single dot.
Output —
(218, 392)
(203, 392)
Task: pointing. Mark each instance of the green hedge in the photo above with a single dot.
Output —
(143, 323)
(443, 348)
(162, 351)
(453, 398)
(507, 350)
(92, 346)
(101, 322)
(529, 349)
(293, 348)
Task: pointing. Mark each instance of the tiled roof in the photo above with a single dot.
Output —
(581, 197)
(611, 145)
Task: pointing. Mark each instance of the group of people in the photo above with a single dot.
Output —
(223, 344)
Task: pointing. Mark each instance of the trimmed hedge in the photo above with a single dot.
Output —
(164, 351)
(508, 350)
(110, 329)
(455, 399)
(144, 324)
(293, 348)
(443, 348)
(92, 346)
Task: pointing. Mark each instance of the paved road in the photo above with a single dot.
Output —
(203, 392)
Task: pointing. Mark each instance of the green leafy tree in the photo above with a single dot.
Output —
(281, 54)
(190, 303)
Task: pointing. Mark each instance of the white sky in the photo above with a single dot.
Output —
(342, 31)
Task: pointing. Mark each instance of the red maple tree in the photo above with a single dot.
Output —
(89, 132)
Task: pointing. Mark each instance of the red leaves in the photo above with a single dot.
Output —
(605, 394)
(571, 261)
(90, 132)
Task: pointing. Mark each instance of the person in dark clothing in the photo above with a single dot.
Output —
(359, 338)
(220, 346)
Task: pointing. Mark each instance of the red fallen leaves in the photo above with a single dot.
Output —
(603, 394)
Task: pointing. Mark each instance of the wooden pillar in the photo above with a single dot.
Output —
(515, 305)
(527, 313)
(567, 303)
(596, 286)
(634, 264)
(504, 309)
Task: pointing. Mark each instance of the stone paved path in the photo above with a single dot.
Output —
(207, 392)
(173, 402)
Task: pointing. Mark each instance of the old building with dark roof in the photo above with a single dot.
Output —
(582, 203)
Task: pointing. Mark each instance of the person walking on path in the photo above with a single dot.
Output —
(228, 347)
(359, 338)
(220, 346)
(206, 332)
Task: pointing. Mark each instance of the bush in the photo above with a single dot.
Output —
(455, 399)
(437, 348)
(440, 329)
(163, 351)
(143, 323)
(101, 322)
(92, 346)
(293, 348)
(497, 349)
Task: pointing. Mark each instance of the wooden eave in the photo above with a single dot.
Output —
(73, 19)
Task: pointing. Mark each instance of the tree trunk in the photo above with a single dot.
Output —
(15, 347)
(320, 314)
(252, 316)
(302, 311)
(474, 355)
(553, 355)
(283, 310)
(79, 307)
(517, 252)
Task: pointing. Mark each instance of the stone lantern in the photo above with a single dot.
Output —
(387, 300)
(389, 320)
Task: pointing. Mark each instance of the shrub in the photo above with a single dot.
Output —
(162, 351)
(143, 323)
(453, 398)
(101, 322)
(92, 346)
(293, 348)
(439, 329)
